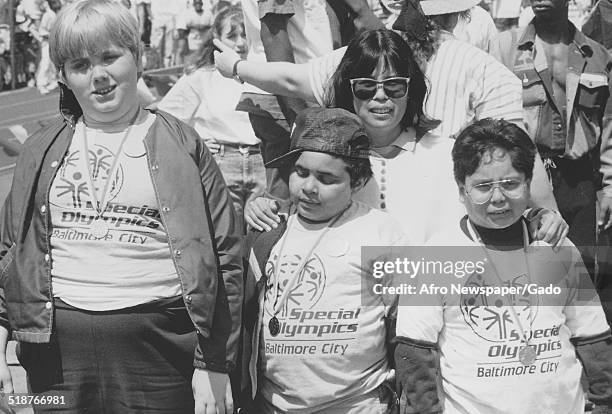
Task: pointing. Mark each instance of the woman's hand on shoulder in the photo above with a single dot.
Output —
(548, 226)
(261, 214)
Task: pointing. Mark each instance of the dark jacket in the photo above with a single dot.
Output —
(261, 244)
(584, 128)
(196, 211)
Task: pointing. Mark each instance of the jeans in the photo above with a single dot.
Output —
(244, 173)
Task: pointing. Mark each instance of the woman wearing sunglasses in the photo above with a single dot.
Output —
(379, 79)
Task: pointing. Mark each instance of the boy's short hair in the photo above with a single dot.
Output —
(486, 135)
(332, 131)
(84, 27)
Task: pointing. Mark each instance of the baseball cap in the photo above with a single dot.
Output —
(333, 131)
(411, 17)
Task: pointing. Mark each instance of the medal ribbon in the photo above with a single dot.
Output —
(279, 304)
(100, 206)
(477, 237)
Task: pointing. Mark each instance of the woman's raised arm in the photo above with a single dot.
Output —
(278, 78)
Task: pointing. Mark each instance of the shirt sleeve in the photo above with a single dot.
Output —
(420, 316)
(320, 71)
(182, 100)
(499, 93)
(265, 7)
(584, 315)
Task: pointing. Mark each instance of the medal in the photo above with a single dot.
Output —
(99, 228)
(274, 326)
(527, 355)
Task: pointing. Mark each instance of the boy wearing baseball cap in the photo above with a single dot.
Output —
(313, 340)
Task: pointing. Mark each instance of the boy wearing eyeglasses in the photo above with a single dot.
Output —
(315, 340)
(513, 336)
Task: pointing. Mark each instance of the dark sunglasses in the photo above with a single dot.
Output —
(366, 88)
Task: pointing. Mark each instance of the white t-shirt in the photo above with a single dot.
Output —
(331, 346)
(464, 84)
(416, 187)
(132, 264)
(479, 338)
(207, 101)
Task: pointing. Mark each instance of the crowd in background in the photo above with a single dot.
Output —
(171, 30)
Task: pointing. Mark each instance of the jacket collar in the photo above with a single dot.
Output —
(527, 39)
(69, 107)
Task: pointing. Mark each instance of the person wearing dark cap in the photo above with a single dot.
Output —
(313, 340)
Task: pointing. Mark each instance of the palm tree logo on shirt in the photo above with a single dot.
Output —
(489, 316)
(70, 188)
(305, 291)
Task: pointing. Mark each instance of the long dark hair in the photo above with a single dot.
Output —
(361, 59)
(204, 55)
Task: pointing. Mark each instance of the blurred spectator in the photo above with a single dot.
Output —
(164, 14)
(598, 25)
(46, 75)
(28, 13)
(27, 19)
(4, 12)
(192, 25)
(143, 13)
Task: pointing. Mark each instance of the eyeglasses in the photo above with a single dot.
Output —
(481, 193)
(366, 88)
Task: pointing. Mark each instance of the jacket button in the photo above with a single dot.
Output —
(43, 209)
(165, 209)
(47, 258)
(54, 164)
(177, 253)
(48, 305)
(154, 167)
(188, 299)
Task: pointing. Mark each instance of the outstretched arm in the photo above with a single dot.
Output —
(278, 78)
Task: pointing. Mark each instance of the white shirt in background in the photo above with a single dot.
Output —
(207, 101)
